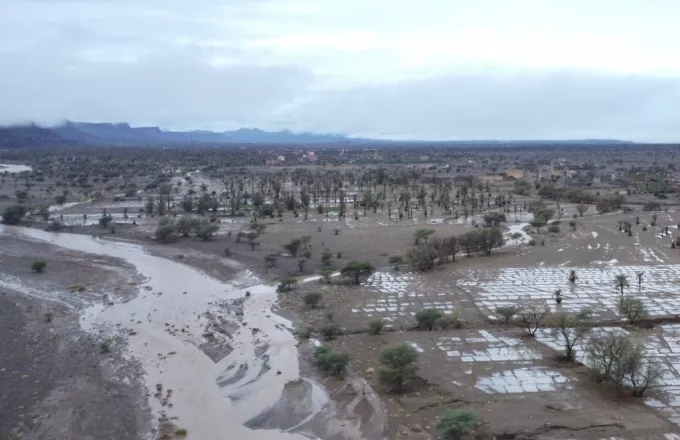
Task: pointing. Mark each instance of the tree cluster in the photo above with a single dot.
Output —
(572, 195)
(608, 204)
(619, 358)
(425, 256)
(12, 215)
(168, 229)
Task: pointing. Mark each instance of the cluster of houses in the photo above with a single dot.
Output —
(567, 176)
(299, 156)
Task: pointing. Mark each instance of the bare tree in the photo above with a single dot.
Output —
(617, 357)
(605, 350)
(641, 371)
(571, 328)
(534, 318)
(632, 308)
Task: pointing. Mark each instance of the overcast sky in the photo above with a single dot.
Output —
(428, 69)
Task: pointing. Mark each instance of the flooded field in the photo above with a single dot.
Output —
(13, 168)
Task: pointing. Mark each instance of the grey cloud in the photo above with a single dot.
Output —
(173, 88)
(522, 105)
(149, 63)
(142, 63)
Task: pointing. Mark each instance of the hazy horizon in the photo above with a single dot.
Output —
(445, 70)
(294, 132)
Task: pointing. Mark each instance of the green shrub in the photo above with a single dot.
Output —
(330, 331)
(306, 333)
(206, 230)
(312, 299)
(12, 215)
(286, 284)
(651, 206)
(166, 230)
(449, 320)
(326, 258)
(330, 360)
(187, 224)
(105, 346)
(455, 424)
(428, 319)
(105, 220)
(376, 325)
(397, 365)
(396, 261)
(423, 258)
(507, 312)
(38, 266)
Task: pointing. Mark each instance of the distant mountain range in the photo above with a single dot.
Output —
(26, 136)
(84, 133)
(124, 134)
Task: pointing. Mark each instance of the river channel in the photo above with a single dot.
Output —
(175, 294)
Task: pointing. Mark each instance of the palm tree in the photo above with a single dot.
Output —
(572, 276)
(558, 296)
(621, 281)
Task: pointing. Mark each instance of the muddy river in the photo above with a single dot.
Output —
(177, 295)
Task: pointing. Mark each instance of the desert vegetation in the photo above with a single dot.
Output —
(382, 257)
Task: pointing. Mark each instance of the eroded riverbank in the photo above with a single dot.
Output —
(56, 380)
(214, 358)
(165, 323)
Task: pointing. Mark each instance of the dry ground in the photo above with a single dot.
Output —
(514, 384)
